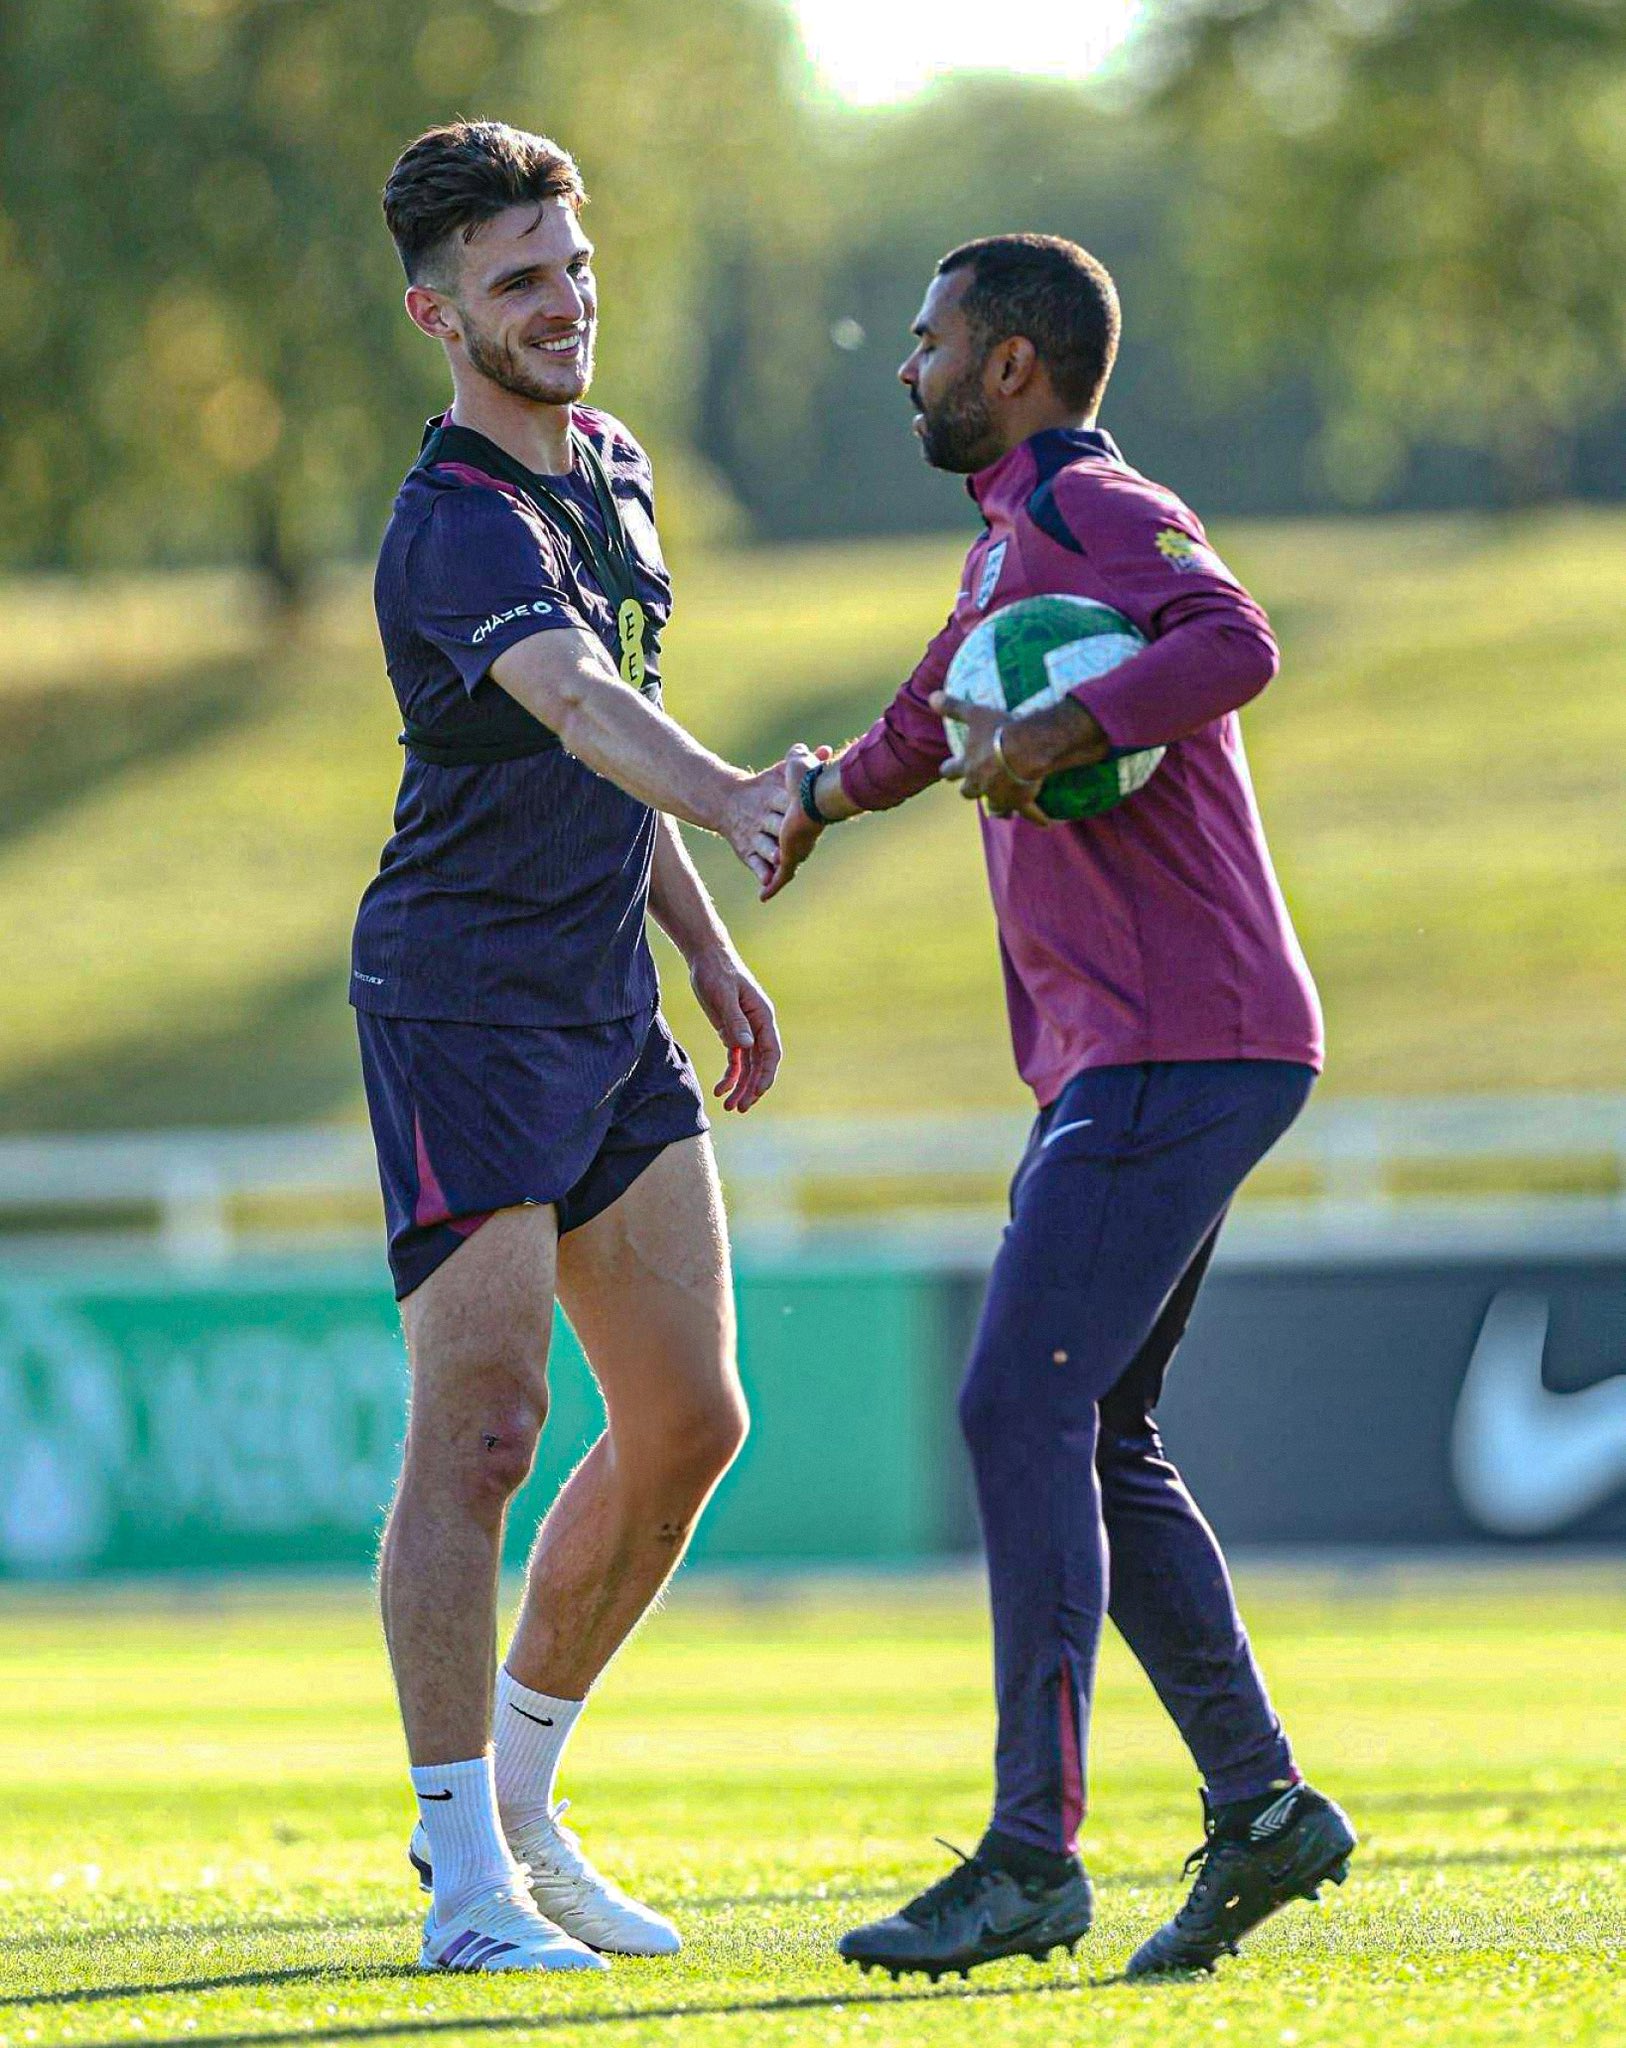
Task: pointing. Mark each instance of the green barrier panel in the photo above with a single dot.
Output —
(249, 1416)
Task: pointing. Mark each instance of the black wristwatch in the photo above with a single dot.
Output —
(810, 800)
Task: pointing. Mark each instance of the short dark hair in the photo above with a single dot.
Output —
(1054, 293)
(455, 178)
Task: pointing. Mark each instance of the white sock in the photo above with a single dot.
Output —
(467, 1848)
(532, 1730)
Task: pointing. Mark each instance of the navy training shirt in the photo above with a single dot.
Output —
(512, 892)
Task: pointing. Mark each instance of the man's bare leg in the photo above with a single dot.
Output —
(477, 1338)
(648, 1289)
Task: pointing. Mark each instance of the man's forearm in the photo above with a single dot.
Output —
(829, 797)
(619, 733)
(631, 742)
(1209, 665)
(679, 901)
(1196, 672)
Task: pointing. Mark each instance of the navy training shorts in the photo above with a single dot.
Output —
(471, 1118)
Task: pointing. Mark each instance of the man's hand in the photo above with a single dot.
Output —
(743, 1019)
(798, 835)
(980, 771)
(754, 814)
(739, 1012)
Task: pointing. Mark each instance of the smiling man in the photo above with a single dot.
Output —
(1163, 1015)
(539, 1133)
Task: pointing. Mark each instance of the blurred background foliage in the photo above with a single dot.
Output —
(202, 334)
(1420, 200)
(1372, 251)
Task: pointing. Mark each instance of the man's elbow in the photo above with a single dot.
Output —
(567, 717)
(1252, 658)
(555, 692)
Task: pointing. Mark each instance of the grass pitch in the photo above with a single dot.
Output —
(205, 1816)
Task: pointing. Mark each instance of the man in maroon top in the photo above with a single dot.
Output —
(1162, 1013)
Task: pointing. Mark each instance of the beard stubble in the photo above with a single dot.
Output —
(504, 366)
(958, 427)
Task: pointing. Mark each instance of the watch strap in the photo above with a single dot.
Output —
(809, 792)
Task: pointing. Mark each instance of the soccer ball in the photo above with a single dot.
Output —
(1028, 655)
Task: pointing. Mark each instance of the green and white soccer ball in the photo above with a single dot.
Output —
(1029, 655)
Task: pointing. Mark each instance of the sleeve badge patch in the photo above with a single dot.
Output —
(1181, 552)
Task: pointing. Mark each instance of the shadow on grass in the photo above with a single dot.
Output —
(1369, 1864)
(1369, 1861)
(1460, 1799)
(67, 741)
(203, 1930)
(1375, 1860)
(532, 2021)
(289, 1056)
(309, 1973)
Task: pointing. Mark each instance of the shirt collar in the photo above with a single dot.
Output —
(1052, 448)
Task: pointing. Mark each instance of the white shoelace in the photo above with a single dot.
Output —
(576, 1863)
(571, 1863)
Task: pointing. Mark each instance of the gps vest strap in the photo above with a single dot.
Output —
(484, 745)
(506, 731)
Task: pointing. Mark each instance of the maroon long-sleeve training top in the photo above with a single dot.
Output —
(1157, 931)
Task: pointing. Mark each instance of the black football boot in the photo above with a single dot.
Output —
(1248, 1868)
(978, 1913)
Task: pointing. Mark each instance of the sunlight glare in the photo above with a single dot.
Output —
(870, 54)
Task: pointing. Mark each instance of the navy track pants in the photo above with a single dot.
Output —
(1115, 1209)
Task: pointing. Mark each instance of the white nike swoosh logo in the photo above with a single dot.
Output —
(1061, 1131)
(1528, 1461)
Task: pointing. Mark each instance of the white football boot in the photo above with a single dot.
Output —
(568, 1891)
(502, 1930)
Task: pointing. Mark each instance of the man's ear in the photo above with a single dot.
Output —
(1016, 361)
(433, 313)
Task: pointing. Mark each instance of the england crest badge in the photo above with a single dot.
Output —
(988, 581)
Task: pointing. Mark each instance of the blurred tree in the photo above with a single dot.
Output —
(1396, 223)
(812, 426)
(704, 160)
(1424, 202)
(201, 342)
(813, 429)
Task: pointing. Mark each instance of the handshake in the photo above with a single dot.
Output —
(766, 823)
(770, 828)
